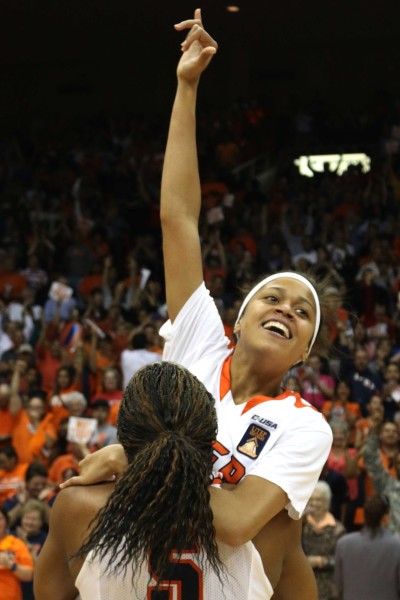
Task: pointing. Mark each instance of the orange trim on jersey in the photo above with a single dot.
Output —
(225, 387)
(225, 381)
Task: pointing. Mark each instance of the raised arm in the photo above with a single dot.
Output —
(373, 462)
(180, 187)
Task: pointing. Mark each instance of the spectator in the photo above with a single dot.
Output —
(12, 283)
(386, 484)
(49, 360)
(16, 564)
(368, 293)
(67, 380)
(317, 387)
(367, 562)
(9, 407)
(341, 408)
(291, 382)
(111, 391)
(110, 387)
(37, 487)
(16, 334)
(36, 277)
(106, 433)
(321, 532)
(345, 460)
(12, 473)
(72, 404)
(32, 428)
(56, 310)
(338, 484)
(362, 380)
(75, 453)
(364, 424)
(391, 391)
(132, 360)
(32, 532)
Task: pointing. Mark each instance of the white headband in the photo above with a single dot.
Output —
(257, 287)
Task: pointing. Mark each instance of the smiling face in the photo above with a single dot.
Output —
(280, 318)
(318, 503)
(32, 522)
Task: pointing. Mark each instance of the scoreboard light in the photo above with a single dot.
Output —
(337, 163)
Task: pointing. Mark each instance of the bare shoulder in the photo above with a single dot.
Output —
(74, 510)
(76, 500)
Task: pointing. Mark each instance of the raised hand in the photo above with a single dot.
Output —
(198, 49)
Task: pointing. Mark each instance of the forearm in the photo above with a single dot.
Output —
(23, 573)
(180, 186)
(242, 512)
(373, 461)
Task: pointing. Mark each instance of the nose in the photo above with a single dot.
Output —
(285, 309)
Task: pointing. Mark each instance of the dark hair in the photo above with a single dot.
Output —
(9, 451)
(70, 370)
(37, 394)
(329, 299)
(35, 469)
(100, 403)
(166, 425)
(341, 382)
(139, 341)
(4, 513)
(375, 507)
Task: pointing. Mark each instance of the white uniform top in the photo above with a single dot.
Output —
(243, 579)
(282, 439)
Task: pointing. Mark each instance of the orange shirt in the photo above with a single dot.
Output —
(90, 283)
(12, 285)
(23, 435)
(48, 366)
(7, 422)
(63, 462)
(12, 482)
(10, 585)
(369, 487)
(363, 426)
(113, 416)
(334, 410)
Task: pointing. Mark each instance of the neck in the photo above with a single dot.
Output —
(247, 381)
(389, 449)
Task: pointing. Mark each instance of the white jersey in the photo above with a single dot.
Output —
(282, 439)
(191, 579)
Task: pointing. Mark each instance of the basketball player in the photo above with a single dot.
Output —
(151, 531)
(271, 444)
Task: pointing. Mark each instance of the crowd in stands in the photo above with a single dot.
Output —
(82, 299)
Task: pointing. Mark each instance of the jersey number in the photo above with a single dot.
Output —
(184, 582)
(233, 471)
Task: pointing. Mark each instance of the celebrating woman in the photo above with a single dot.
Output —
(271, 444)
(150, 535)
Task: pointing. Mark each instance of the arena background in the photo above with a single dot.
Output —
(81, 56)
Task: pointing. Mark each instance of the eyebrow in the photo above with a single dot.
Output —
(301, 298)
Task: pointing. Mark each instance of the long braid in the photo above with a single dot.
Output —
(166, 425)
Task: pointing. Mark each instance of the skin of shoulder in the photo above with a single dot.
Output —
(70, 517)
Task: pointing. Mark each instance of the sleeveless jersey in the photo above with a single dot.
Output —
(243, 578)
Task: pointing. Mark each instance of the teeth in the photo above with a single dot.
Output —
(277, 326)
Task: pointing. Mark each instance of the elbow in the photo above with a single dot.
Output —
(234, 536)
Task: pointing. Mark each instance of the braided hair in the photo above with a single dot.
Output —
(166, 425)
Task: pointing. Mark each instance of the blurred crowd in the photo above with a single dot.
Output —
(82, 297)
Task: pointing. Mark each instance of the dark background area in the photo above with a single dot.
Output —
(84, 56)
